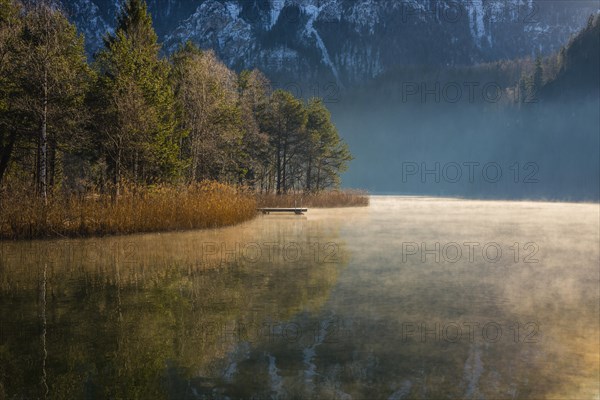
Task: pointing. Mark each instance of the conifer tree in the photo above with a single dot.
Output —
(10, 26)
(326, 155)
(284, 121)
(135, 104)
(537, 79)
(254, 91)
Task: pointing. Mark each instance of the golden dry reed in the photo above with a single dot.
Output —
(138, 209)
(324, 199)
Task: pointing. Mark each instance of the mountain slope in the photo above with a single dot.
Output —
(348, 41)
(579, 75)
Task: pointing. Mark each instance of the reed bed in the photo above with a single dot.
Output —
(162, 208)
(324, 199)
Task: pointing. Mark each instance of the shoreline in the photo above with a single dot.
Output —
(523, 200)
(208, 205)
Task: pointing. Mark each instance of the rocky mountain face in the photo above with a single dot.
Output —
(349, 41)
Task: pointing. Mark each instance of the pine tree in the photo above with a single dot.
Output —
(284, 121)
(10, 26)
(135, 102)
(254, 91)
(327, 155)
(529, 85)
(537, 79)
(522, 90)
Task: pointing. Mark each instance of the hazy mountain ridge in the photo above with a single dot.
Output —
(580, 63)
(406, 117)
(350, 41)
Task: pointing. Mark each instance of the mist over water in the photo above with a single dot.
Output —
(412, 297)
(488, 150)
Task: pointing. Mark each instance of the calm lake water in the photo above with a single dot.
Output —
(408, 298)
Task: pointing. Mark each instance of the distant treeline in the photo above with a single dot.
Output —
(130, 116)
(572, 69)
(541, 112)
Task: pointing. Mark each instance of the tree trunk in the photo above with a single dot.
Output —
(6, 152)
(194, 168)
(284, 167)
(117, 174)
(319, 177)
(135, 167)
(195, 158)
(51, 162)
(278, 170)
(308, 174)
(43, 174)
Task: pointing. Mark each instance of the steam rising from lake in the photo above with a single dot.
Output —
(408, 298)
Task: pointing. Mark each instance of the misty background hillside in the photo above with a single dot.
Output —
(487, 98)
(547, 130)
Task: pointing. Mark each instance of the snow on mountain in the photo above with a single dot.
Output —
(348, 41)
(89, 20)
(313, 13)
(215, 25)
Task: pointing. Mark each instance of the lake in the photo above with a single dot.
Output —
(407, 298)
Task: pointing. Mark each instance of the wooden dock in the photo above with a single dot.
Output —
(297, 211)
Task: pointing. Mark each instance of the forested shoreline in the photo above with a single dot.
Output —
(131, 120)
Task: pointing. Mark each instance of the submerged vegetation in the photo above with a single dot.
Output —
(121, 143)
